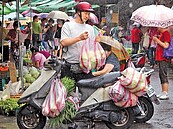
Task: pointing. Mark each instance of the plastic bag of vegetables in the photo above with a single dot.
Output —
(92, 56)
(55, 100)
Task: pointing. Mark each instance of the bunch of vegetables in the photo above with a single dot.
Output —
(30, 75)
(69, 111)
(9, 105)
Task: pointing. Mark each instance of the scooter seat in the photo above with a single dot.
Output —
(99, 81)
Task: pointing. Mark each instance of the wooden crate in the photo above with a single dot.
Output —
(13, 74)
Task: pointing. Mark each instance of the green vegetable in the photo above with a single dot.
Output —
(67, 114)
(9, 105)
(68, 83)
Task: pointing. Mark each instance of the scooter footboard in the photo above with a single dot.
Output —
(38, 98)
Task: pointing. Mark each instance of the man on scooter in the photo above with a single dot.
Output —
(72, 38)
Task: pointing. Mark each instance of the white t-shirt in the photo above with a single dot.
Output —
(71, 30)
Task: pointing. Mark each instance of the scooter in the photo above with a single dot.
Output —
(138, 60)
(95, 103)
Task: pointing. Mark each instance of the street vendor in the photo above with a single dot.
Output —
(37, 58)
(72, 38)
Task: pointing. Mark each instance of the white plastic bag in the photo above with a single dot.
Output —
(5, 94)
(14, 87)
(92, 56)
(121, 96)
(134, 81)
(55, 100)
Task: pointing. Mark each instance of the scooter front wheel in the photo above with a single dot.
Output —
(126, 120)
(29, 119)
(148, 108)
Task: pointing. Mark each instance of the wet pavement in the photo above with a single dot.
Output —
(162, 119)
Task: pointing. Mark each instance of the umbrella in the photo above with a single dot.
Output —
(28, 11)
(154, 16)
(30, 14)
(117, 48)
(14, 16)
(42, 15)
(58, 15)
(110, 41)
(93, 18)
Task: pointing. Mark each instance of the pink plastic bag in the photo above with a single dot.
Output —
(55, 100)
(92, 56)
(121, 96)
(134, 81)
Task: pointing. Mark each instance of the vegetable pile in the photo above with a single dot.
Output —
(9, 105)
(30, 75)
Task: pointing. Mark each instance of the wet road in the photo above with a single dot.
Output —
(162, 119)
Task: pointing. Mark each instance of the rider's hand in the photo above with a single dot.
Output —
(84, 36)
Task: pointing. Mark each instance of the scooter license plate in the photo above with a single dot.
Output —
(150, 91)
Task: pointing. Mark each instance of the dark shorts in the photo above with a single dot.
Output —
(73, 73)
(163, 72)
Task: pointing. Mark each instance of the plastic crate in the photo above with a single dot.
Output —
(3, 74)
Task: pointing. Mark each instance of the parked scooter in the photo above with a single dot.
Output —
(95, 103)
(138, 60)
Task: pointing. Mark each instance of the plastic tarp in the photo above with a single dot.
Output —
(6, 10)
(60, 5)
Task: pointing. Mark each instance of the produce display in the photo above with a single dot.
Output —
(27, 57)
(30, 75)
(7, 106)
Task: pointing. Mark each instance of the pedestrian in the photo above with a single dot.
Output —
(49, 33)
(14, 50)
(57, 28)
(72, 38)
(136, 35)
(162, 42)
(36, 31)
(27, 30)
(170, 29)
(152, 46)
(43, 43)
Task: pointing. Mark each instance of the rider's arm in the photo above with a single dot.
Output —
(67, 38)
(108, 68)
(70, 41)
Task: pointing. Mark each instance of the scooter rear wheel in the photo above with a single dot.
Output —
(126, 120)
(32, 120)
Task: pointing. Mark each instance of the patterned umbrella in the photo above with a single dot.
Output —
(154, 16)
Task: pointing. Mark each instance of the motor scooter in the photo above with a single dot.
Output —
(138, 59)
(95, 103)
